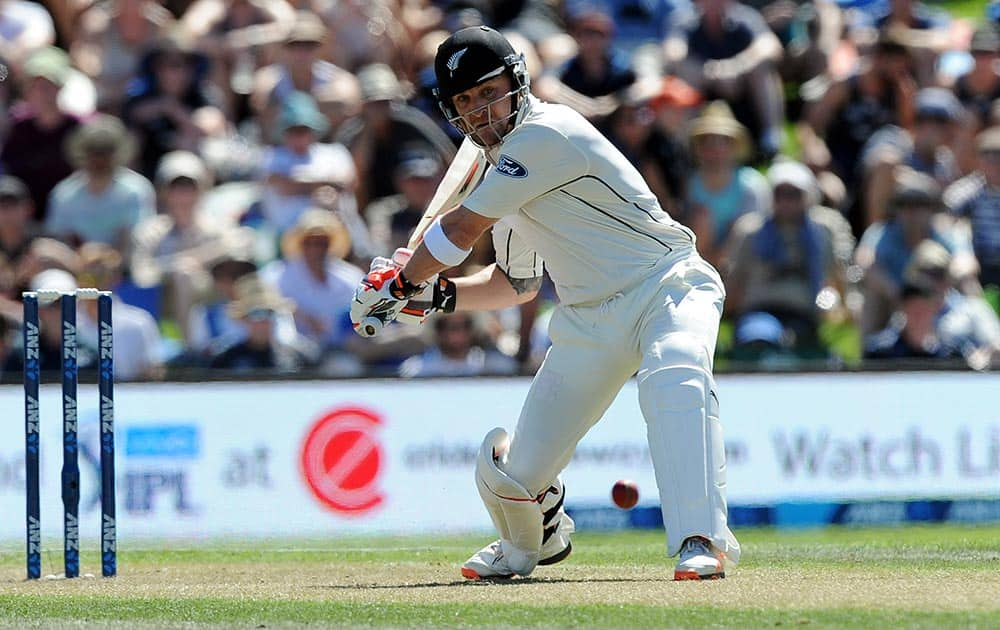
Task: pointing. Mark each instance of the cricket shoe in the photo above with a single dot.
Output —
(489, 562)
(699, 561)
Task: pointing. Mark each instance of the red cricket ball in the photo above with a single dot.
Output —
(625, 494)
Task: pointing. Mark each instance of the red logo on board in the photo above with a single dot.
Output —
(342, 459)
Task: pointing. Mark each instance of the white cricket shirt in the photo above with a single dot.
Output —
(572, 199)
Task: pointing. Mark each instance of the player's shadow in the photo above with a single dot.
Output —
(512, 582)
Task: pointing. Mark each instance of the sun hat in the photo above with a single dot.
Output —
(103, 133)
(177, 164)
(317, 222)
(299, 109)
(306, 28)
(717, 120)
(796, 174)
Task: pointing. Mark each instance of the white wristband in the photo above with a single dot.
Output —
(441, 247)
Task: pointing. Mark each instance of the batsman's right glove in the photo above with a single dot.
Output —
(379, 298)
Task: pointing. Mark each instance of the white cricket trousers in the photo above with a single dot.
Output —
(664, 330)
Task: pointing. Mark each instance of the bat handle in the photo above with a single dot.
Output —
(402, 256)
(370, 326)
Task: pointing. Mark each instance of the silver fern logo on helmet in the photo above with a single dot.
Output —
(452, 64)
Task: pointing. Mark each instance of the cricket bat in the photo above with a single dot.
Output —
(461, 177)
(458, 181)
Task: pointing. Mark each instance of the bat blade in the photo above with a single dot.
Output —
(455, 186)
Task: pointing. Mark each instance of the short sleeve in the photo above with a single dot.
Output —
(274, 162)
(56, 217)
(961, 196)
(533, 161)
(145, 199)
(514, 257)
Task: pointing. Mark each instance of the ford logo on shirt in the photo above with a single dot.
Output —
(511, 167)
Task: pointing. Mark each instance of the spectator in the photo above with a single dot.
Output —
(456, 352)
(300, 68)
(386, 124)
(173, 248)
(886, 248)
(720, 190)
(232, 33)
(339, 100)
(727, 51)
(960, 325)
(211, 328)
(673, 106)
(50, 333)
(33, 149)
(809, 33)
(912, 331)
(314, 276)
(258, 308)
(25, 27)
(641, 26)
(110, 42)
(913, 15)
(881, 91)
(925, 31)
(978, 89)
(17, 230)
(980, 86)
(17, 234)
(631, 127)
(782, 261)
(170, 104)
(975, 200)
(43, 253)
(966, 322)
(137, 345)
(927, 149)
(597, 70)
(393, 218)
(301, 165)
(425, 82)
(366, 32)
(103, 200)
(459, 14)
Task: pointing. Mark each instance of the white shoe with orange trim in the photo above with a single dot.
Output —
(699, 560)
(489, 563)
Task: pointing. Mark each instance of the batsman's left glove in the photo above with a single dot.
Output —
(439, 295)
(379, 298)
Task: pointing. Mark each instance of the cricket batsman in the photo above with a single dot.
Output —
(635, 298)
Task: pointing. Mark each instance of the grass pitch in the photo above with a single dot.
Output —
(920, 577)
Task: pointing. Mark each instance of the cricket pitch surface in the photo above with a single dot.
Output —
(919, 577)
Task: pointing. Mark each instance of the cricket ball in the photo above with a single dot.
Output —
(625, 494)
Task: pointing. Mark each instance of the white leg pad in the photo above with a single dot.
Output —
(515, 512)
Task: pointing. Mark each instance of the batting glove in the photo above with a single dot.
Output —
(439, 295)
(379, 298)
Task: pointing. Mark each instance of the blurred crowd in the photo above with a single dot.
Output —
(230, 167)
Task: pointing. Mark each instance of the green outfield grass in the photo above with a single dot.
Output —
(972, 9)
(915, 577)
